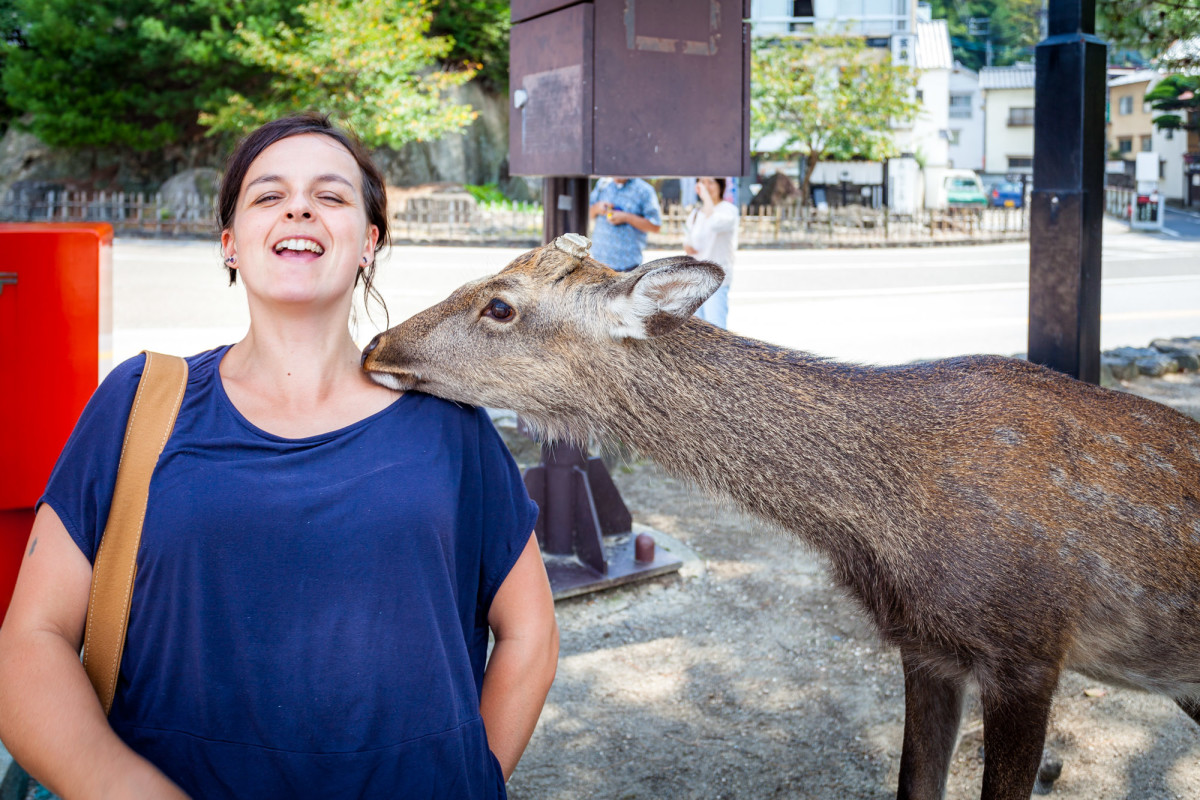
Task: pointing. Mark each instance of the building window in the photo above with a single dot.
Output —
(1020, 117)
(960, 106)
(1020, 163)
(920, 96)
(953, 136)
(1125, 145)
(802, 8)
(1147, 144)
(1125, 105)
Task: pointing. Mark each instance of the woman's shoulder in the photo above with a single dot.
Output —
(121, 383)
(445, 409)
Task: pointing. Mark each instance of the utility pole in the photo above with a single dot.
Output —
(982, 26)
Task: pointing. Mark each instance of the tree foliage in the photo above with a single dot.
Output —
(128, 72)
(832, 98)
(10, 40)
(1179, 96)
(368, 62)
(1151, 27)
(479, 30)
(1012, 29)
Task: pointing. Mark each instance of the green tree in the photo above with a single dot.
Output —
(479, 30)
(128, 72)
(10, 40)
(368, 62)
(832, 98)
(1012, 28)
(1179, 96)
(1151, 26)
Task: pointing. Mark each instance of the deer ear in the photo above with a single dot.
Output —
(658, 297)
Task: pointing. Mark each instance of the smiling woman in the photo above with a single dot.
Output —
(322, 558)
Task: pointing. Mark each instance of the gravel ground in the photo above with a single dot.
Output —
(749, 675)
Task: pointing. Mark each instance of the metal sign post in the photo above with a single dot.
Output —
(1067, 205)
(644, 88)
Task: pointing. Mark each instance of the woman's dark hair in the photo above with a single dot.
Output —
(251, 147)
(720, 187)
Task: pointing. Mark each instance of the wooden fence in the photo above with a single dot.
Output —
(142, 213)
(458, 220)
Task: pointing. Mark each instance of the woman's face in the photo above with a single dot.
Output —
(709, 187)
(300, 232)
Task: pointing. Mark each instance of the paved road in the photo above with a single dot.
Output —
(876, 306)
(1182, 223)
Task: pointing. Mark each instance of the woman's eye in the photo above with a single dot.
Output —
(266, 198)
(499, 310)
(332, 198)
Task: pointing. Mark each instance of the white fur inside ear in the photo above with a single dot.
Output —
(662, 299)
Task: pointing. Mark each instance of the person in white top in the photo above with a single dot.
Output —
(711, 235)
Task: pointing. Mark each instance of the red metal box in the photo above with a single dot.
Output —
(55, 343)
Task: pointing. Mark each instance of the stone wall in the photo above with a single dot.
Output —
(476, 156)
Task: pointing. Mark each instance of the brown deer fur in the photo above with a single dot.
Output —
(999, 521)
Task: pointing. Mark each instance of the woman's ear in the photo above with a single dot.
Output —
(372, 238)
(228, 248)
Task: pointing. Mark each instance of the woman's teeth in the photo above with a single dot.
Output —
(299, 244)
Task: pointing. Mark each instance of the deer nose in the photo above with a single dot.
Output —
(367, 350)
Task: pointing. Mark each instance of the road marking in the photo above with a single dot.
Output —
(898, 291)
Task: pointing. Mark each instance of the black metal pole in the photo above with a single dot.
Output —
(1067, 205)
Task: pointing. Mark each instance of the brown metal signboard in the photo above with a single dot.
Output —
(629, 87)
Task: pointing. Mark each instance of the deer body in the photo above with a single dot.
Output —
(998, 521)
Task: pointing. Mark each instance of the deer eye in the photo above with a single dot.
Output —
(499, 310)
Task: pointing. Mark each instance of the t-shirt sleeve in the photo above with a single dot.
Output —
(81, 485)
(724, 218)
(507, 512)
(650, 209)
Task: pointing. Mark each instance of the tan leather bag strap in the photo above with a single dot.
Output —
(151, 419)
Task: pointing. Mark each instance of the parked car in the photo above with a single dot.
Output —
(947, 188)
(1006, 195)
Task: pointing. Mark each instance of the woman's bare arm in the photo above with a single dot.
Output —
(524, 658)
(50, 718)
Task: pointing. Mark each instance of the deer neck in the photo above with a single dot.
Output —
(797, 440)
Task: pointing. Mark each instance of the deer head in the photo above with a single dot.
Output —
(528, 337)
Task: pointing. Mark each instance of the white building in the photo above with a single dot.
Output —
(874, 19)
(965, 119)
(1008, 119)
(928, 138)
(901, 26)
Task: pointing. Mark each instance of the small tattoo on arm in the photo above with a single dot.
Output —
(33, 546)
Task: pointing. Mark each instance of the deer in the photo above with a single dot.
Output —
(1000, 522)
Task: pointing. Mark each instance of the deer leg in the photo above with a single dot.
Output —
(1191, 707)
(932, 710)
(1015, 716)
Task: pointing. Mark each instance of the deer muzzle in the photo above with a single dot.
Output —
(388, 375)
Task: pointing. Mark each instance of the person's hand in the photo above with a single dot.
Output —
(691, 251)
(619, 217)
(602, 207)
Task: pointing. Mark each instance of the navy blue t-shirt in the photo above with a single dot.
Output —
(309, 617)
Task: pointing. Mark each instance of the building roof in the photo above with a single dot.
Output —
(933, 45)
(1185, 50)
(1141, 76)
(1018, 76)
